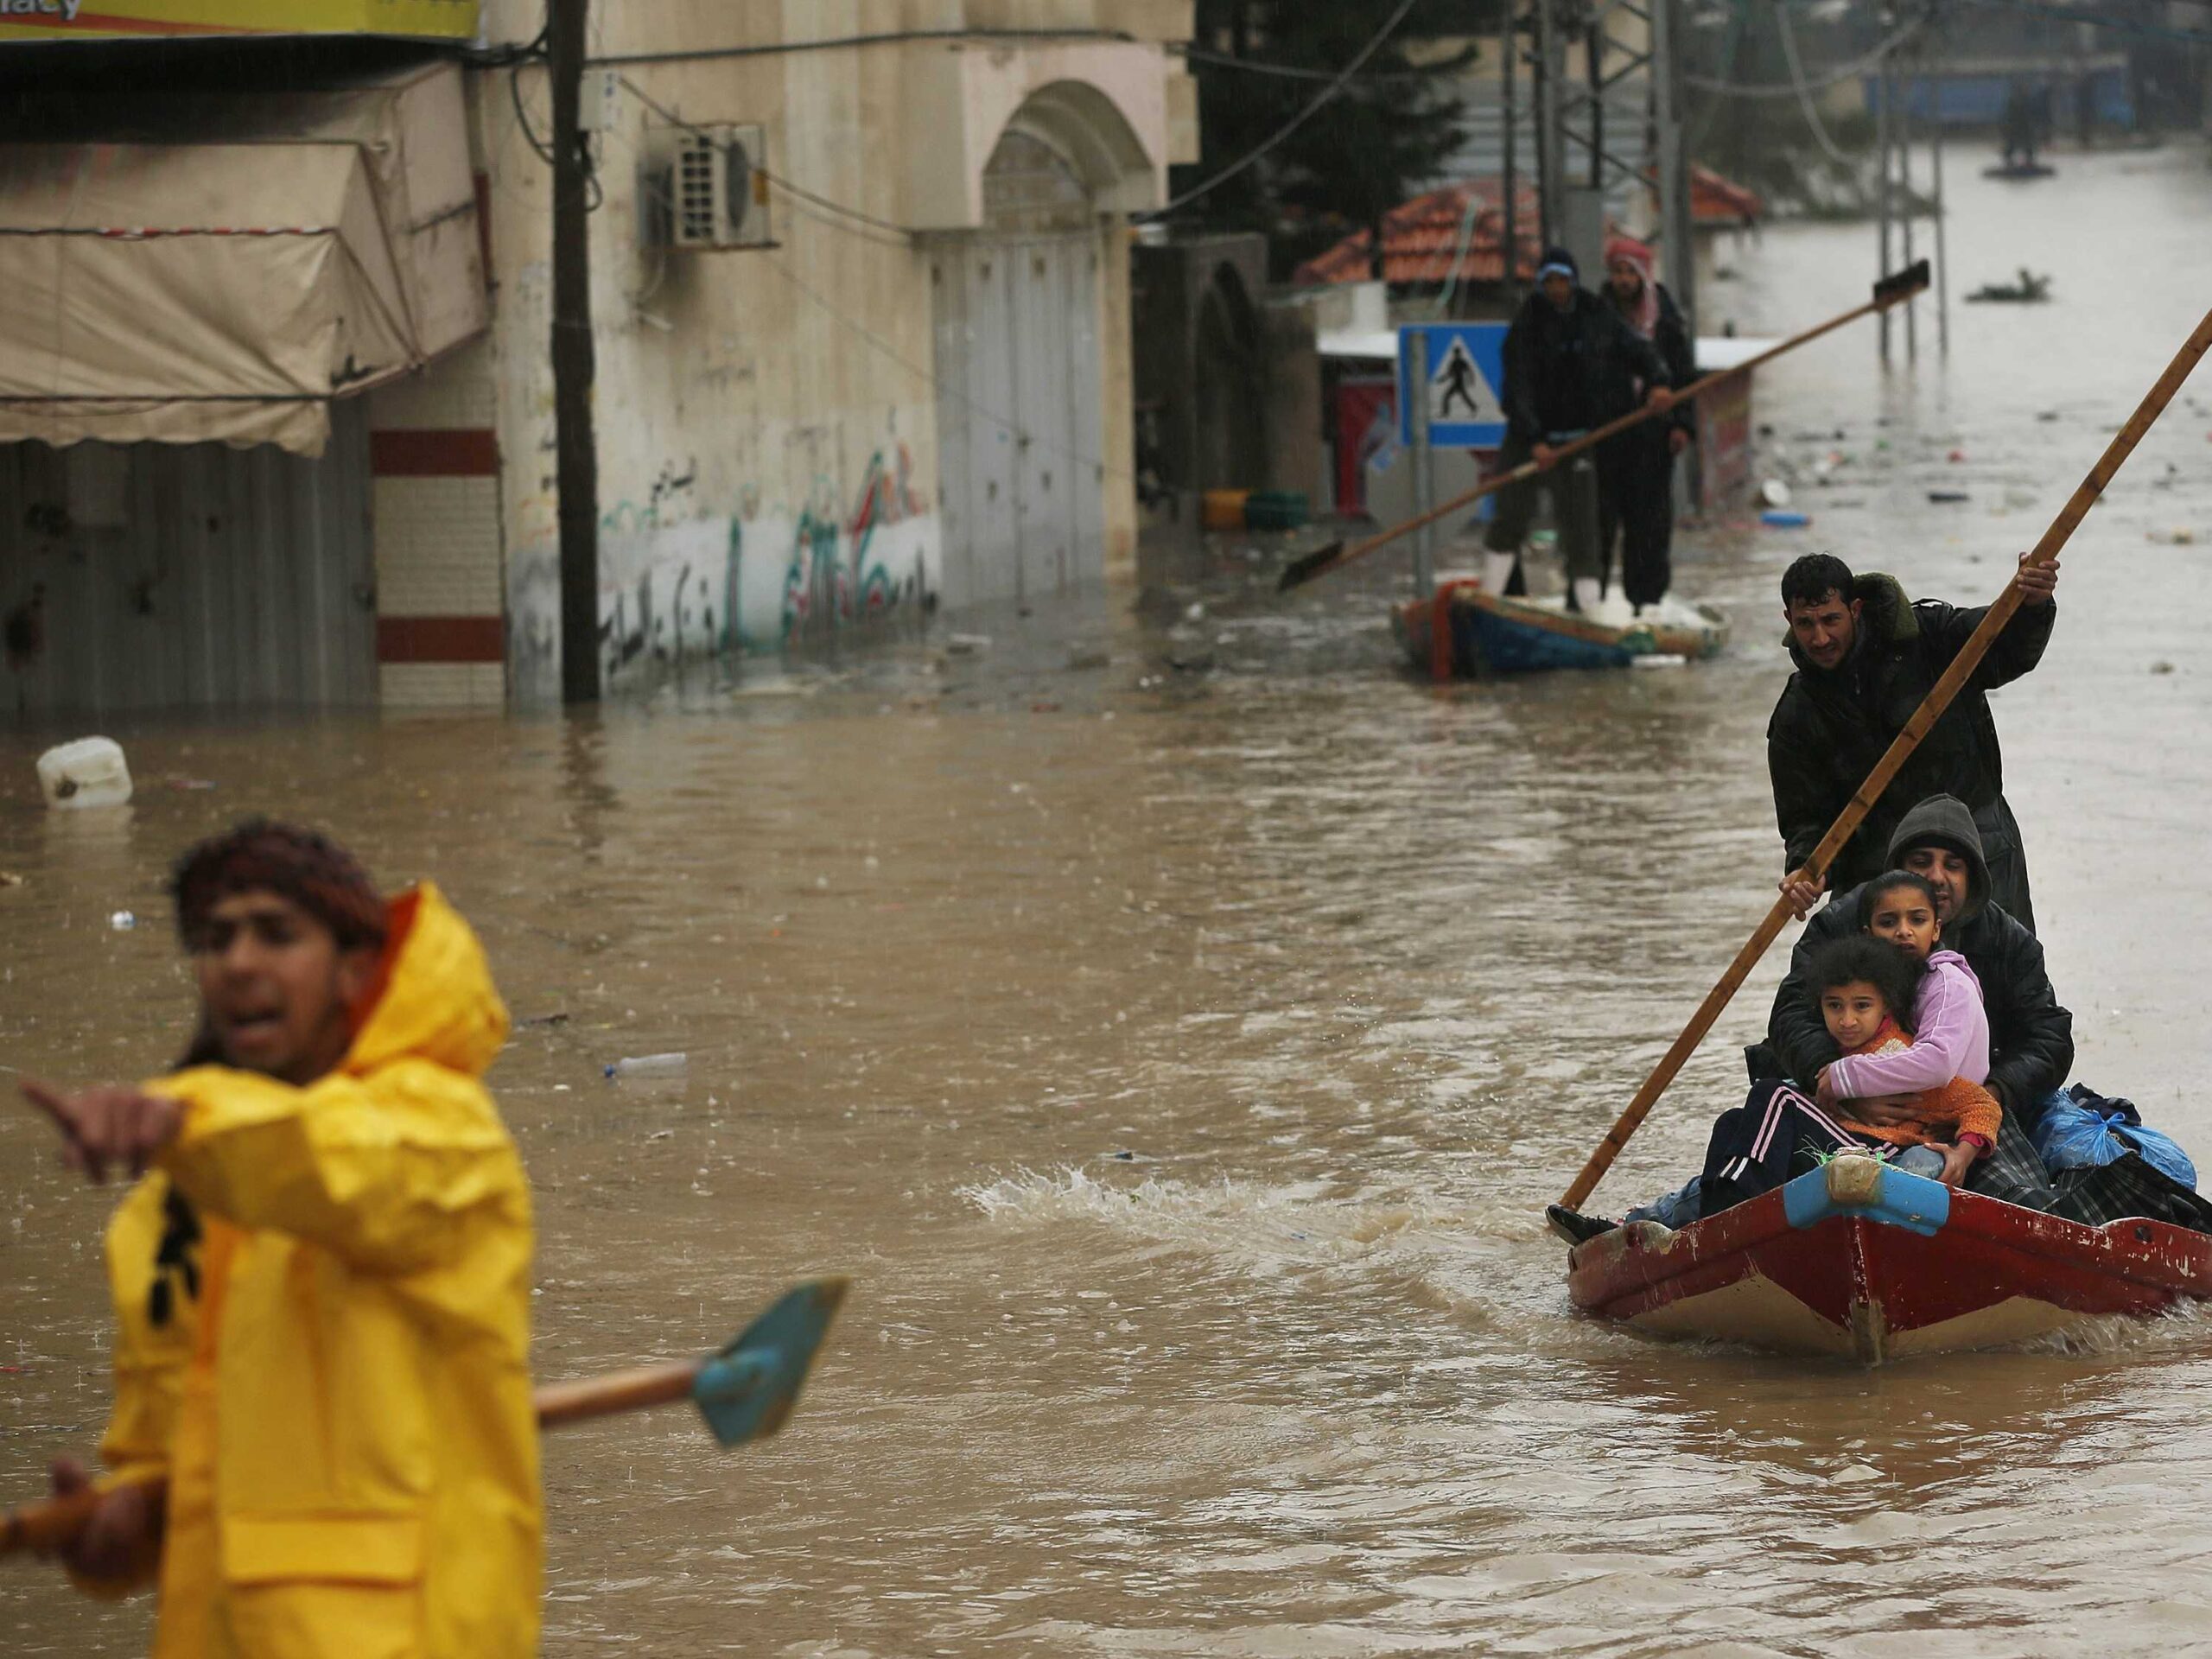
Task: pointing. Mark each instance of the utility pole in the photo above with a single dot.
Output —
(1670, 156)
(573, 365)
(1550, 68)
(1509, 49)
(1885, 80)
(1571, 124)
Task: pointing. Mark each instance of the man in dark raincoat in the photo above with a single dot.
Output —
(1635, 470)
(1568, 356)
(1867, 659)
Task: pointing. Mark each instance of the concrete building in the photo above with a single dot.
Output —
(861, 306)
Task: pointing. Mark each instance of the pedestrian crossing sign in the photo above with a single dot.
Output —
(1457, 370)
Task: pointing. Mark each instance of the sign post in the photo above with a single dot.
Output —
(1449, 376)
(1414, 343)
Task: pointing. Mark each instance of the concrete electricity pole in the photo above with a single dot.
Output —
(1578, 159)
(574, 365)
(1670, 158)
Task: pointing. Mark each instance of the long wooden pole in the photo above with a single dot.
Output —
(50, 1525)
(1938, 698)
(1311, 566)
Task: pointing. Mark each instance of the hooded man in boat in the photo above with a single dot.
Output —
(323, 1441)
(1867, 658)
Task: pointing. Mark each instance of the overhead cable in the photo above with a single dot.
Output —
(1850, 71)
(799, 191)
(1252, 157)
(1804, 94)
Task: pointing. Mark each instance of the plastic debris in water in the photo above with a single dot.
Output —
(651, 1065)
(123, 921)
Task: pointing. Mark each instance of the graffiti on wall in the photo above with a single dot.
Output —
(862, 567)
(678, 586)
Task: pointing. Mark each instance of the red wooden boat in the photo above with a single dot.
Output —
(1861, 1261)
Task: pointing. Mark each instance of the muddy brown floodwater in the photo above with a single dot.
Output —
(1180, 1068)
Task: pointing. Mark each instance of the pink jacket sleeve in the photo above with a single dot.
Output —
(1943, 1016)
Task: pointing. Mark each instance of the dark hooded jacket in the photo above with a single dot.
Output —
(1569, 371)
(2030, 1037)
(1671, 339)
(1830, 726)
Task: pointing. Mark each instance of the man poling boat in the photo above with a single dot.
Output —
(323, 1439)
(1893, 289)
(1825, 1258)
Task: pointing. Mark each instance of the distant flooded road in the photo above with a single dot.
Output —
(1179, 1060)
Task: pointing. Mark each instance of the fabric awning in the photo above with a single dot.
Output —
(191, 292)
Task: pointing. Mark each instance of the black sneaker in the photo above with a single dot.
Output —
(1575, 1227)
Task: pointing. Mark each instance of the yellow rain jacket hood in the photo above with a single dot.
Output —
(323, 1298)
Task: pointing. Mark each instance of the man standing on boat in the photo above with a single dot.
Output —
(1567, 356)
(1867, 659)
(323, 1443)
(1635, 470)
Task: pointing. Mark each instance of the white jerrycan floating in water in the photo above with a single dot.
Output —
(89, 773)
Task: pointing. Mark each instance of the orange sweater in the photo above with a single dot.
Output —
(1962, 1108)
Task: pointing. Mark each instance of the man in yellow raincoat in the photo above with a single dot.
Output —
(322, 1441)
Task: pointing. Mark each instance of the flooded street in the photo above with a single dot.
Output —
(1180, 1062)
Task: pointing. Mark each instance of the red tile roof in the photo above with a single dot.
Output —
(1717, 202)
(1420, 237)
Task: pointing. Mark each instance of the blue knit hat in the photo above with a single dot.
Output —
(1558, 262)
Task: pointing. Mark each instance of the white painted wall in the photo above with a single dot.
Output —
(767, 418)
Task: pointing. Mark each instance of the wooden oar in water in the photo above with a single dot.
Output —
(1938, 698)
(1892, 289)
(745, 1391)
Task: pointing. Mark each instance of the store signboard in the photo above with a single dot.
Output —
(139, 20)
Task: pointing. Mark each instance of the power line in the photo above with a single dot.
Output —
(1342, 79)
(904, 233)
(1289, 71)
(1798, 87)
(2077, 15)
(890, 37)
(1805, 97)
(940, 387)
(862, 330)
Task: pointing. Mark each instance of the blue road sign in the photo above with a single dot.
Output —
(1460, 378)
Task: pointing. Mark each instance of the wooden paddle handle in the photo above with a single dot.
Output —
(43, 1528)
(1900, 750)
(617, 1391)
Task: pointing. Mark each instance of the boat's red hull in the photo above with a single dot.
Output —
(1862, 1261)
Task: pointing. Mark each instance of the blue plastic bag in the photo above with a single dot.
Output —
(2082, 1130)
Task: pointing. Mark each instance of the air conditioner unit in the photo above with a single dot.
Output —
(707, 187)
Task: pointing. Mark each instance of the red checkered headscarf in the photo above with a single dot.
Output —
(1644, 316)
(260, 855)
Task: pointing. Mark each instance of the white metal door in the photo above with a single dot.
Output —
(1019, 420)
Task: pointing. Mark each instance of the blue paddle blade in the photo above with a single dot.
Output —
(745, 1391)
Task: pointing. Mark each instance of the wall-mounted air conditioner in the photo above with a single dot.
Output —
(706, 187)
